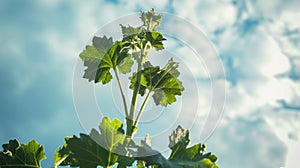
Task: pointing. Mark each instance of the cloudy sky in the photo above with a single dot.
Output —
(258, 43)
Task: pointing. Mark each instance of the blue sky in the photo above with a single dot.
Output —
(257, 41)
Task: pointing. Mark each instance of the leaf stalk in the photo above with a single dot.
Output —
(122, 93)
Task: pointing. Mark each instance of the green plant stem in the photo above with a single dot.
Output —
(109, 158)
(142, 109)
(129, 121)
(145, 102)
(122, 93)
(135, 91)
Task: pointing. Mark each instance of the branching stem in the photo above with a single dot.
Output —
(129, 120)
(122, 93)
(146, 100)
(142, 109)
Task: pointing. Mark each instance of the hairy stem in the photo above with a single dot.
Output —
(122, 93)
(129, 120)
(142, 109)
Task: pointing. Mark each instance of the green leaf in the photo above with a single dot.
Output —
(149, 157)
(103, 44)
(163, 82)
(105, 149)
(155, 39)
(146, 156)
(178, 141)
(91, 70)
(112, 135)
(125, 65)
(140, 164)
(204, 163)
(103, 56)
(16, 155)
(129, 31)
(86, 152)
(99, 48)
(181, 156)
(114, 57)
(125, 161)
(92, 55)
(64, 157)
(140, 37)
(151, 20)
(194, 156)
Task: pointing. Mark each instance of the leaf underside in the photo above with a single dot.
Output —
(103, 56)
(163, 82)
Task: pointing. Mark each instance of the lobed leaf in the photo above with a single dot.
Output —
(99, 48)
(145, 36)
(97, 149)
(181, 156)
(125, 65)
(104, 55)
(16, 155)
(163, 82)
(129, 31)
(155, 39)
(151, 20)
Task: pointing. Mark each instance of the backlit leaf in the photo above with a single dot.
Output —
(163, 82)
(151, 20)
(103, 56)
(97, 149)
(129, 31)
(125, 66)
(16, 155)
(181, 156)
(97, 50)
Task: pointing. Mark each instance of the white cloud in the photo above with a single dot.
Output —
(209, 15)
(248, 142)
(292, 159)
(257, 58)
(279, 17)
(285, 124)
